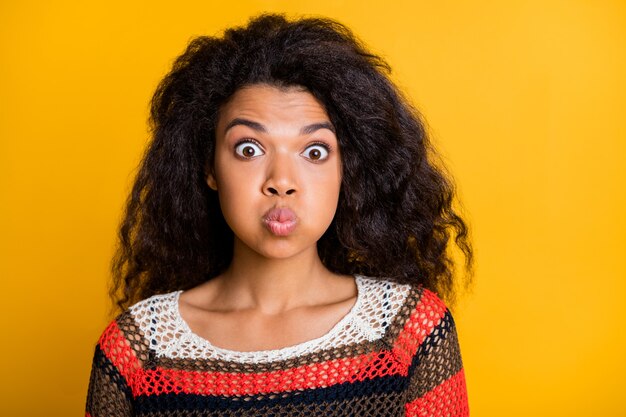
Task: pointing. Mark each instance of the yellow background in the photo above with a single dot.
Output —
(526, 100)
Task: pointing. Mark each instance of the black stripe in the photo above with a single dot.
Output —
(104, 365)
(439, 333)
(340, 392)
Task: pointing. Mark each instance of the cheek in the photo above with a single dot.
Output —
(325, 195)
(235, 193)
(236, 211)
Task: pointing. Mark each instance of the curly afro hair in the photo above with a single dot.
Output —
(395, 217)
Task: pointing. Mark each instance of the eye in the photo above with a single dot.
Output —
(248, 149)
(316, 152)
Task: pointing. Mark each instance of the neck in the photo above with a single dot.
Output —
(273, 285)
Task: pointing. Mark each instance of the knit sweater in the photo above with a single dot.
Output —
(395, 353)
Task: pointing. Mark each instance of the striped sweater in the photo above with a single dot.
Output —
(395, 353)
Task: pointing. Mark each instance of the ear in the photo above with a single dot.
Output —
(210, 180)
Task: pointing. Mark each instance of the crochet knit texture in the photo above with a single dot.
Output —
(396, 353)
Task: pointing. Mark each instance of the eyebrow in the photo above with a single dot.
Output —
(306, 130)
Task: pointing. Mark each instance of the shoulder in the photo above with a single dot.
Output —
(406, 315)
(428, 315)
(406, 297)
(125, 342)
(394, 307)
(154, 308)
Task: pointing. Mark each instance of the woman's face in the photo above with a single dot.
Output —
(277, 170)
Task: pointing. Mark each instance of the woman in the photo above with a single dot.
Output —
(284, 245)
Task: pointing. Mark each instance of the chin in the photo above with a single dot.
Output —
(277, 248)
(278, 253)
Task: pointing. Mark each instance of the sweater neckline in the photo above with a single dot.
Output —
(284, 352)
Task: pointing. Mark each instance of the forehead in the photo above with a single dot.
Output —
(263, 102)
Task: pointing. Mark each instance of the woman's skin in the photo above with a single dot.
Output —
(277, 172)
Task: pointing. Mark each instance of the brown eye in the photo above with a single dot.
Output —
(248, 149)
(316, 152)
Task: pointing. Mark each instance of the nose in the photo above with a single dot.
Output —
(281, 177)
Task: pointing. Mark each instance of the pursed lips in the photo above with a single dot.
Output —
(280, 221)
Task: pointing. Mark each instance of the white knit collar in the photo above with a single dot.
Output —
(170, 336)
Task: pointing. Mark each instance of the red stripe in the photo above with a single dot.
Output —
(162, 381)
(447, 399)
(425, 317)
(117, 349)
